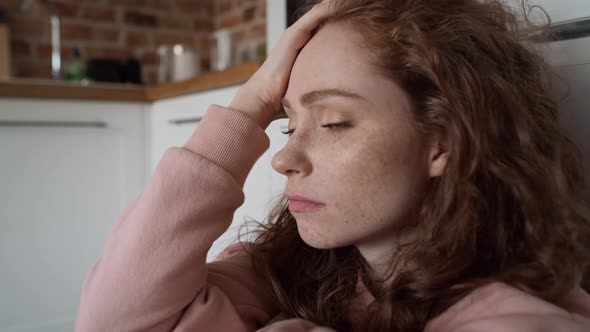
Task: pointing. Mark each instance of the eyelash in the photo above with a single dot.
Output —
(330, 126)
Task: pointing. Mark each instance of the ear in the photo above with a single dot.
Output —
(438, 155)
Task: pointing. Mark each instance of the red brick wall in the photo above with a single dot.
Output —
(247, 21)
(124, 28)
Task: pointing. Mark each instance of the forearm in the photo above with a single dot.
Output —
(154, 261)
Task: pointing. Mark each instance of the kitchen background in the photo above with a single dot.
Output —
(74, 154)
(120, 29)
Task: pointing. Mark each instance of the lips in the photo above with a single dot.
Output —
(298, 203)
(302, 199)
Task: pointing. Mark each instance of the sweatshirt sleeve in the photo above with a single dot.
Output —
(153, 274)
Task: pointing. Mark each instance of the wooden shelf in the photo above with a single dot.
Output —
(212, 80)
(50, 89)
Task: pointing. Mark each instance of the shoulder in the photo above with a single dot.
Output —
(499, 307)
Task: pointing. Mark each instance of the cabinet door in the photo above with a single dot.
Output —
(67, 170)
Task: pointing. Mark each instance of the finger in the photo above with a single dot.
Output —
(296, 36)
(312, 18)
(299, 33)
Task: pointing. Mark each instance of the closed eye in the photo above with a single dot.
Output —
(336, 126)
(330, 126)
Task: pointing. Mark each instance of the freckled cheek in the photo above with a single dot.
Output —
(366, 172)
(352, 178)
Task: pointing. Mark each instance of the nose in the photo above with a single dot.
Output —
(292, 159)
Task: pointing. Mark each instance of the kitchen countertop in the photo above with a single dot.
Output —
(50, 89)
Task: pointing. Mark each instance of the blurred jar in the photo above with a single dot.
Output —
(5, 61)
(221, 49)
(178, 62)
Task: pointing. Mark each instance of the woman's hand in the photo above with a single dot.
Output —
(260, 97)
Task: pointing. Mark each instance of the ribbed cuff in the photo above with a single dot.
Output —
(230, 139)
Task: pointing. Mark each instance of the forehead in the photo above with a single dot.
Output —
(337, 57)
(331, 55)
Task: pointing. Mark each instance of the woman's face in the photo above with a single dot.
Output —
(370, 172)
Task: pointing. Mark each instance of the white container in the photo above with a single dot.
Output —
(221, 50)
(177, 62)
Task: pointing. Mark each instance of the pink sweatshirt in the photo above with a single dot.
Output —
(153, 274)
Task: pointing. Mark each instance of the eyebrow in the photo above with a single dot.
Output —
(316, 95)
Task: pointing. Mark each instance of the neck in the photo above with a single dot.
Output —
(380, 251)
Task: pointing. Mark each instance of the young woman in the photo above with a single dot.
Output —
(429, 188)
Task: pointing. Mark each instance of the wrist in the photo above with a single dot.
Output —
(258, 117)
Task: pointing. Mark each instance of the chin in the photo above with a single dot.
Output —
(320, 240)
(322, 245)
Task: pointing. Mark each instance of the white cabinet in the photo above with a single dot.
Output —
(67, 169)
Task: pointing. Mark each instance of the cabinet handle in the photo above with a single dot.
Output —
(74, 124)
(187, 120)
